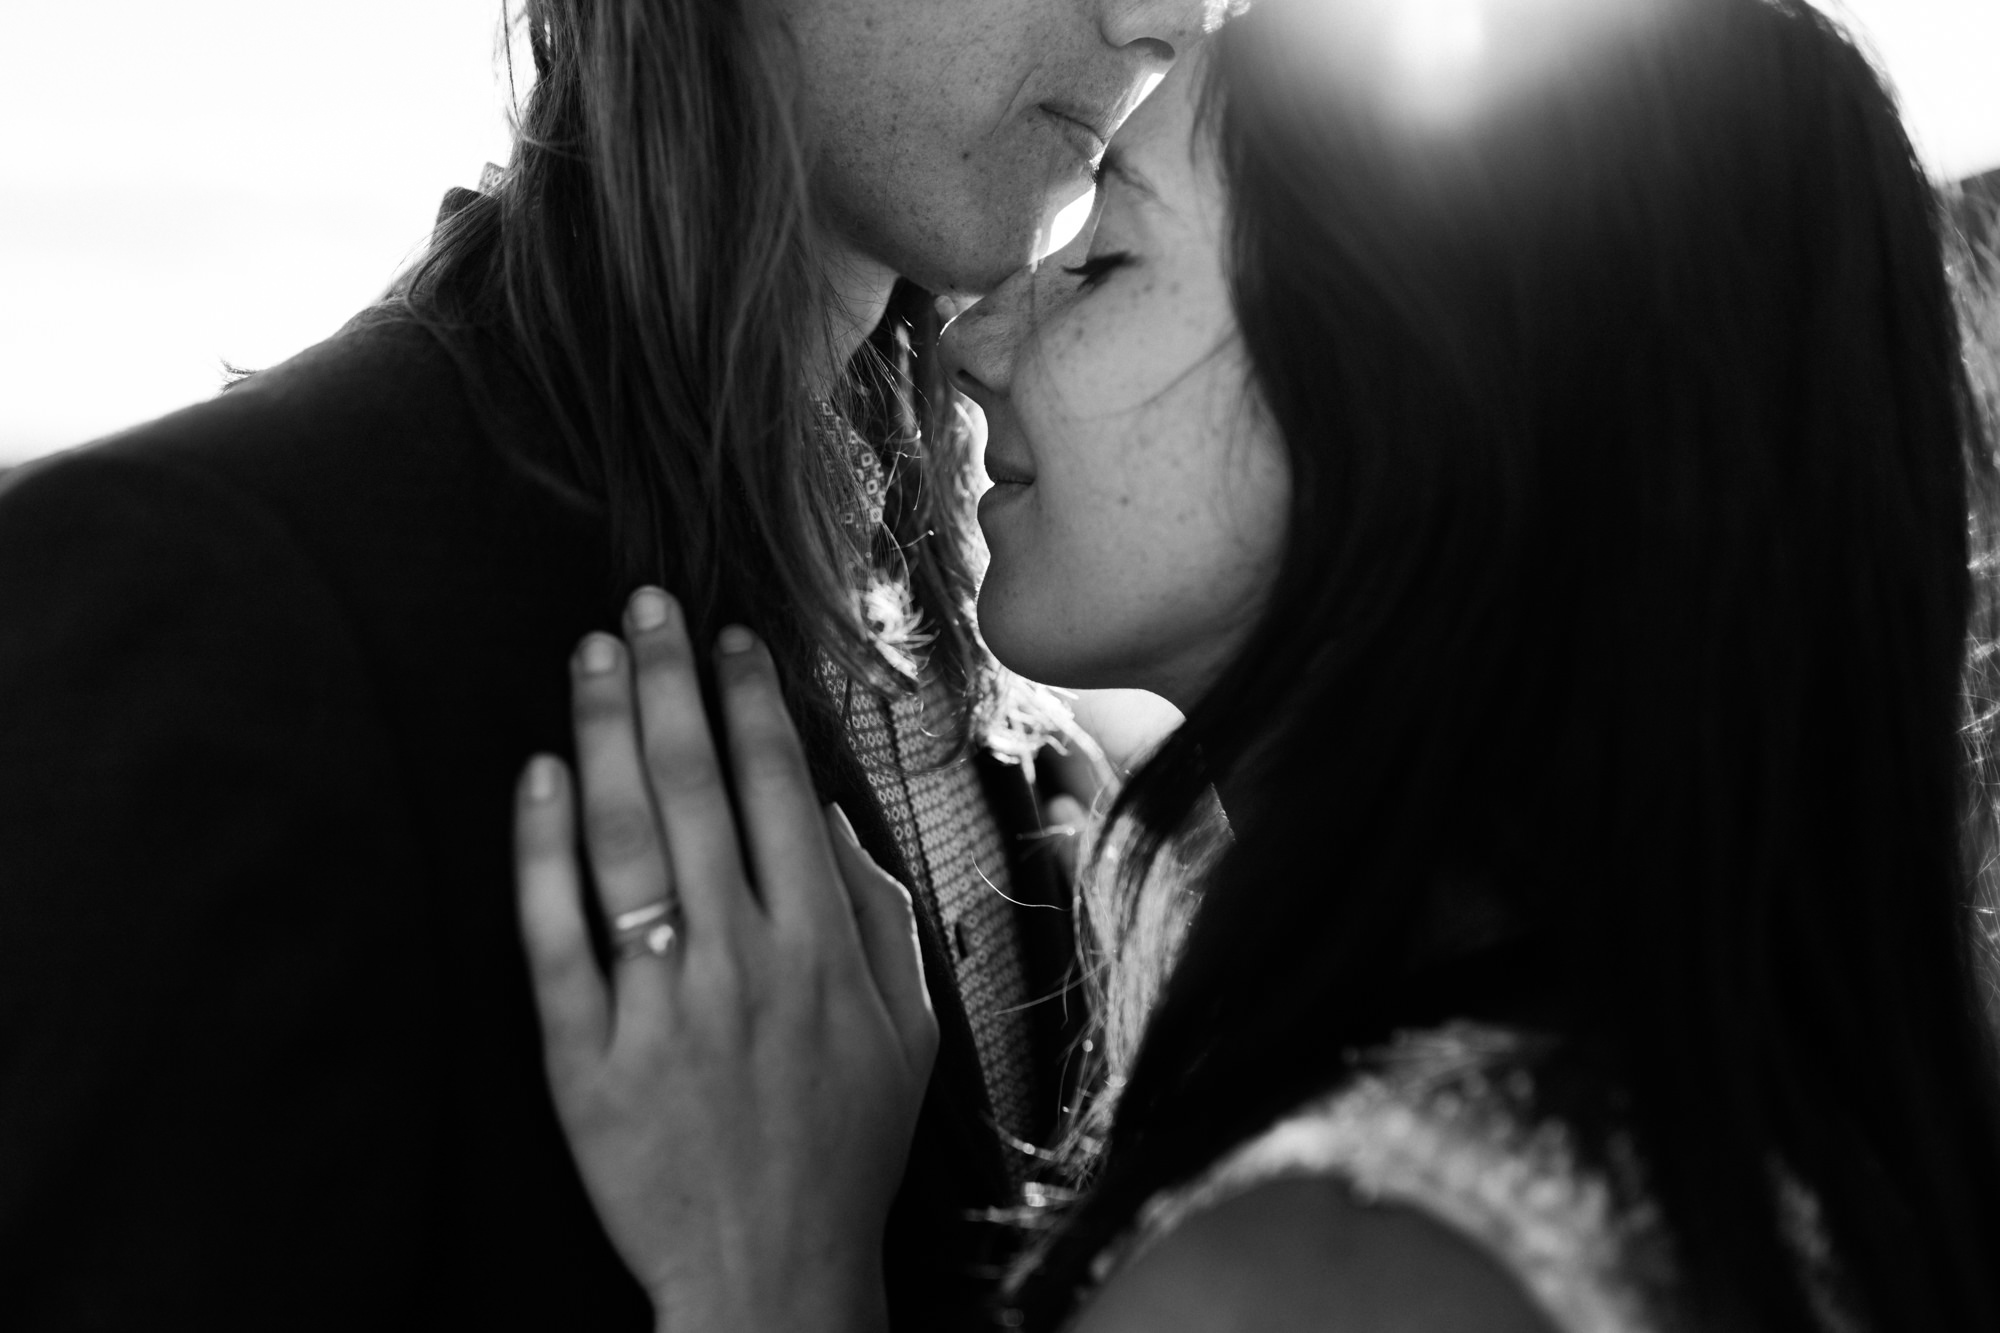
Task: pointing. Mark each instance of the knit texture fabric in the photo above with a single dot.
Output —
(938, 812)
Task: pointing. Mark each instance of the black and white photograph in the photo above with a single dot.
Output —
(931, 666)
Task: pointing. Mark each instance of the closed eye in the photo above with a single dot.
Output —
(1096, 268)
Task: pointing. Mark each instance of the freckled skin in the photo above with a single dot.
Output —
(1139, 554)
(932, 156)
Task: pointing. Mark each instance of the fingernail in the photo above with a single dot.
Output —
(736, 639)
(648, 609)
(598, 655)
(541, 778)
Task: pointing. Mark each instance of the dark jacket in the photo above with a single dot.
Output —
(269, 668)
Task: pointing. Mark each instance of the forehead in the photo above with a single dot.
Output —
(1156, 171)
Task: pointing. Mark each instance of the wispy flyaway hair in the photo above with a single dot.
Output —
(649, 264)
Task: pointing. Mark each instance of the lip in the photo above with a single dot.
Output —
(1086, 133)
(1000, 495)
(1005, 473)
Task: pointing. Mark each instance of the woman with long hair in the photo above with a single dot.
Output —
(1530, 440)
(255, 865)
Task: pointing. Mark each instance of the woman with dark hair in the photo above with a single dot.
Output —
(1530, 441)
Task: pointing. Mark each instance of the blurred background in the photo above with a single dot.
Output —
(227, 180)
(205, 182)
(208, 180)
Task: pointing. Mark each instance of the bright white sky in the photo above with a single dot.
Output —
(184, 182)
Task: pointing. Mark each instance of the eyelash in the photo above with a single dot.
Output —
(1097, 267)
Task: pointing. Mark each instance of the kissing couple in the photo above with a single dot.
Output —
(528, 814)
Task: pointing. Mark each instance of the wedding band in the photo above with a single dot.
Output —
(644, 931)
(642, 916)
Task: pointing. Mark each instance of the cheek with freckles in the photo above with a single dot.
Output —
(1139, 557)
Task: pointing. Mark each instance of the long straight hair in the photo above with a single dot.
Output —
(1974, 251)
(649, 263)
(1627, 579)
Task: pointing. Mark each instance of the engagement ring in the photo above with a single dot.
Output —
(645, 930)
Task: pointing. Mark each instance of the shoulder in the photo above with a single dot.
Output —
(101, 518)
(378, 409)
(137, 519)
(134, 587)
(362, 463)
(1425, 1191)
(1302, 1253)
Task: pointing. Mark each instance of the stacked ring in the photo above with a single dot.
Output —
(648, 930)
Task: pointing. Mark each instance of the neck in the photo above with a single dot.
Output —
(859, 287)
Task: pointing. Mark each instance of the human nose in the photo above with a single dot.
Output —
(1161, 29)
(978, 347)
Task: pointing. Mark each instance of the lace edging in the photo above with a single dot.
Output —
(1429, 1129)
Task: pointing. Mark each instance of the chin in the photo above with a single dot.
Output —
(1000, 235)
(1005, 626)
(1020, 638)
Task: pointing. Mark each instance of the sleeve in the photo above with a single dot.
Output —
(214, 1090)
